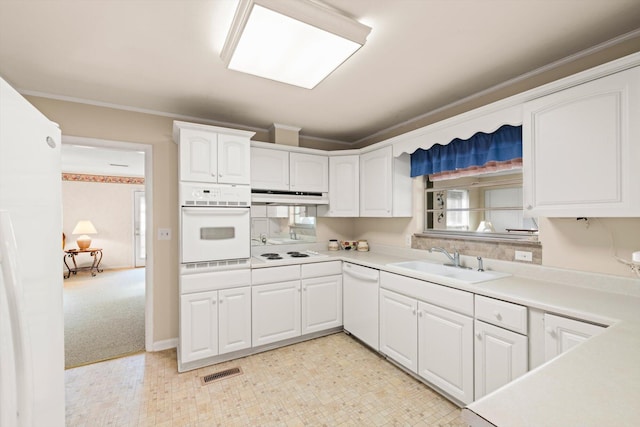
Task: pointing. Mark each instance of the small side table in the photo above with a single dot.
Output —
(96, 253)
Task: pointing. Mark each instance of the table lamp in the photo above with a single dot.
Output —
(84, 228)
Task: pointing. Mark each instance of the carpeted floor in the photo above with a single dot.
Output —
(103, 315)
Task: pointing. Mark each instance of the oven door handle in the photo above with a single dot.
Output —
(208, 211)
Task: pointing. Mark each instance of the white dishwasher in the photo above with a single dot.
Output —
(360, 303)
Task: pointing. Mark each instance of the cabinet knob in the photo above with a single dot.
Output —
(551, 332)
(213, 302)
(221, 300)
(414, 311)
(497, 315)
(419, 314)
(529, 207)
(220, 175)
(479, 335)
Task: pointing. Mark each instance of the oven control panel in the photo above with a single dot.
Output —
(196, 194)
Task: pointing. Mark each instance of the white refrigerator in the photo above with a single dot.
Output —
(31, 314)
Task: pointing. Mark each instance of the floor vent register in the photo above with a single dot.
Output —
(217, 376)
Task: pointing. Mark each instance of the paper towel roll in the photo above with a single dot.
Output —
(636, 257)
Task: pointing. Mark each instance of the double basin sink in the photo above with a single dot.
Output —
(460, 274)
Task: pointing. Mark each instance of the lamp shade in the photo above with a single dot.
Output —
(84, 228)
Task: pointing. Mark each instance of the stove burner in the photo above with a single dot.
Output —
(293, 253)
(298, 255)
(273, 256)
(268, 254)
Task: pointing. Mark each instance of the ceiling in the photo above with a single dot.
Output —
(163, 56)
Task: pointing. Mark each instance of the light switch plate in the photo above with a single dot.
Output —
(164, 234)
(524, 256)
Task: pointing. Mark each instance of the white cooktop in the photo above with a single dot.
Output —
(269, 255)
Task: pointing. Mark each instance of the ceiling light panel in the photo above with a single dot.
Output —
(295, 42)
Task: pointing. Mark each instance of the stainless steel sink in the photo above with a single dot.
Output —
(461, 274)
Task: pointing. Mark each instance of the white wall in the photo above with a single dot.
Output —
(110, 208)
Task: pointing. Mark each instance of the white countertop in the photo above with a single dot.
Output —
(594, 384)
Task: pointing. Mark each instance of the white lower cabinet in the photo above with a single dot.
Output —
(321, 303)
(500, 357)
(433, 339)
(399, 328)
(214, 322)
(562, 333)
(199, 326)
(286, 307)
(276, 312)
(445, 350)
(234, 319)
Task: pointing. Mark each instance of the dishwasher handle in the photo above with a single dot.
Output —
(362, 276)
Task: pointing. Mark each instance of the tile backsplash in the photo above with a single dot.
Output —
(500, 250)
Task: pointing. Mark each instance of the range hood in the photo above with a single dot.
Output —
(272, 197)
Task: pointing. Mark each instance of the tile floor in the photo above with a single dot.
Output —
(329, 381)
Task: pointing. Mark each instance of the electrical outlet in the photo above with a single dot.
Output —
(524, 256)
(164, 234)
(407, 240)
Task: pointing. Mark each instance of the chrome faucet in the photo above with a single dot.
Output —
(455, 259)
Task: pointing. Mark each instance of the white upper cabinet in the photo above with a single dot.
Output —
(581, 150)
(344, 186)
(284, 170)
(213, 154)
(385, 184)
(269, 169)
(198, 156)
(233, 160)
(308, 173)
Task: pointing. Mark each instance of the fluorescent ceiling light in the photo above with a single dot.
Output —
(299, 42)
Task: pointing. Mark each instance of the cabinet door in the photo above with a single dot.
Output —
(309, 172)
(269, 169)
(276, 312)
(321, 303)
(198, 326)
(198, 156)
(376, 183)
(234, 319)
(344, 186)
(580, 149)
(445, 350)
(500, 357)
(399, 328)
(233, 159)
(562, 333)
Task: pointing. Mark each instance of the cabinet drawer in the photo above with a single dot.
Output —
(319, 269)
(442, 296)
(213, 281)
(285, 273)
(500, 313)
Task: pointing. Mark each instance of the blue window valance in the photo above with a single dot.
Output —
(503, 145)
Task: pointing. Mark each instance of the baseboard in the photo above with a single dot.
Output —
(165, 344)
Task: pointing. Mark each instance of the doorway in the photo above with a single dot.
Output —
(131, 272)
(139, 228)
